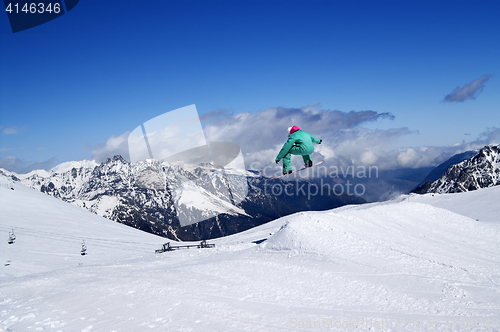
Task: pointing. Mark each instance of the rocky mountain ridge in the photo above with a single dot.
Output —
(158, 197)
(482, 170)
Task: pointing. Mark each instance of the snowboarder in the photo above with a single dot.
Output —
(299, 143)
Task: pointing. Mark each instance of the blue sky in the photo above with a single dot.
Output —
(73, 86)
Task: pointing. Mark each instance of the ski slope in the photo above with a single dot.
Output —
(50, 233)
(413, 263)
(481, 205)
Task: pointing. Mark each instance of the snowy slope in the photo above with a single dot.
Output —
(50, 233)
(482, 205)
(395, 266)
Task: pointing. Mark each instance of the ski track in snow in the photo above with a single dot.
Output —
(407, 261)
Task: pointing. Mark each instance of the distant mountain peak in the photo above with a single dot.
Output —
(482, 170)
(165, 199)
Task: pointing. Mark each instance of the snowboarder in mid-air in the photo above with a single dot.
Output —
(299, 143)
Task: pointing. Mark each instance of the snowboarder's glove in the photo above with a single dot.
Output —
(320, 141)
(277, 161)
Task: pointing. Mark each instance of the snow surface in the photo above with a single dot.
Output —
(485, 203)
(190, 196)
(66, 166)
(406, 264)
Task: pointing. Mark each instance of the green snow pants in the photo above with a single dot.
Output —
(287, 163)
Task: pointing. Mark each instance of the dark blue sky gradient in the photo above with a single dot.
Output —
(107, 66)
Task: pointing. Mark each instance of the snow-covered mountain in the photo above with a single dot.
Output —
(419, 262)
(437, 172)
(482, 170)
(156, 196)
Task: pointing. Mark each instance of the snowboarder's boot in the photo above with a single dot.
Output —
(287, 172)
(308, 164)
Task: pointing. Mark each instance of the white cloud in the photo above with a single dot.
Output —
(115, 145)
(261, 135)
(369, 158)
(345, 141)
(10, 131)
(408, 158)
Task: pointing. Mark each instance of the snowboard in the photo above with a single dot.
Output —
(276, 177)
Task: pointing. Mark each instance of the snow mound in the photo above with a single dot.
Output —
(394, 237)
(481, 205)
(301, 233)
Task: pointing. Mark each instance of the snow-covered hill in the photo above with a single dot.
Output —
(49, 234)
(482, 170)
(481, 205)
(406, 264)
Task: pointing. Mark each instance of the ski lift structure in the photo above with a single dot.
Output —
(12, 237)
(83, 252)
(168, 247)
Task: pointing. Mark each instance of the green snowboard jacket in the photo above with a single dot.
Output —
(301, 142)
